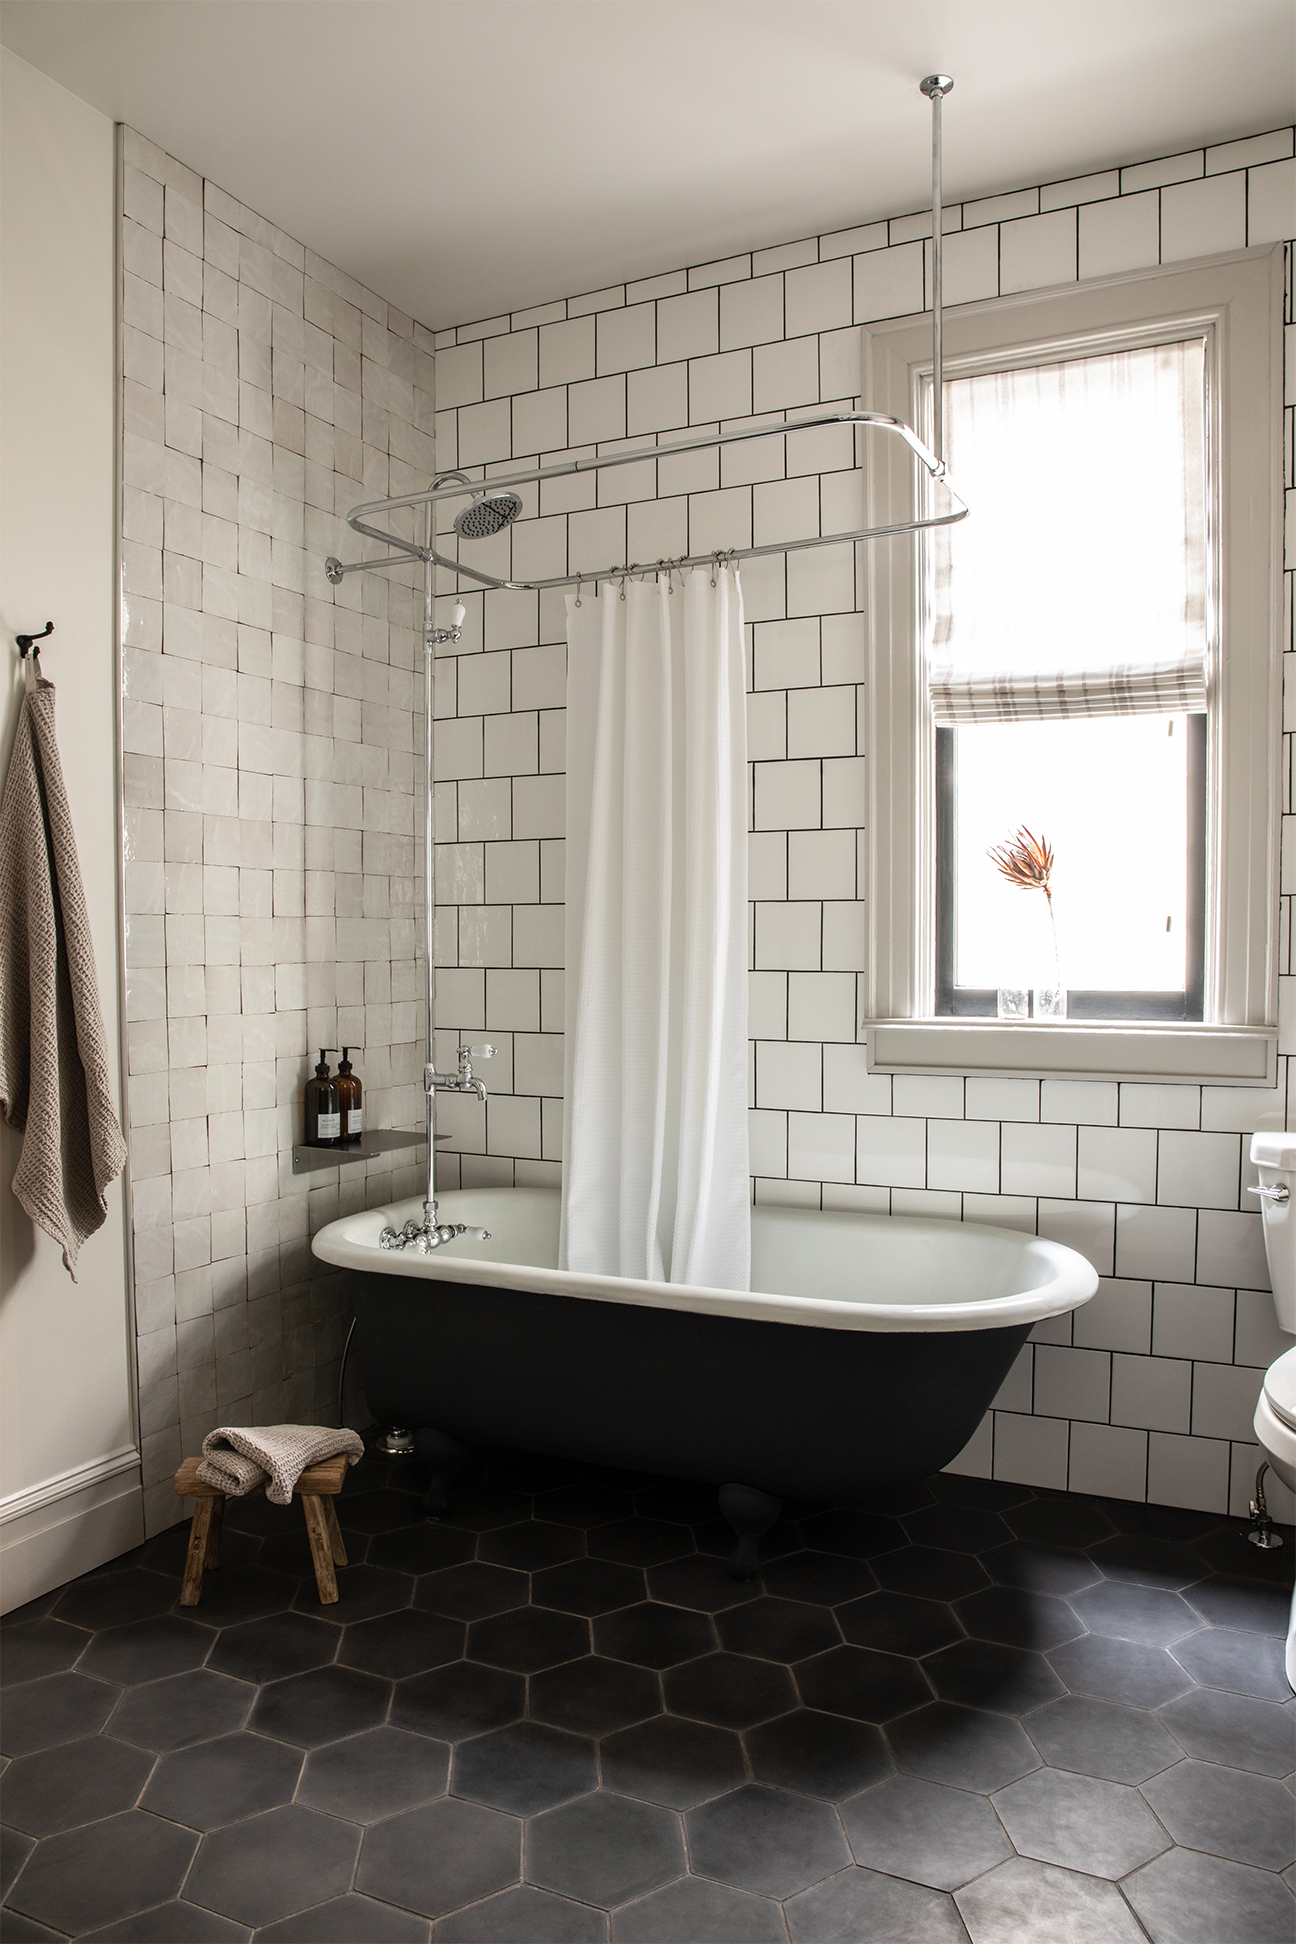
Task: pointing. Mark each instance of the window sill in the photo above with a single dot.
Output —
(1239, 1056)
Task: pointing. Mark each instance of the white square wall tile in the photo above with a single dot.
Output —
(1271, 203)
(1119, 1317)
(963, 1154)
(1154, 1105)
(1039, 1160)
(929, 1204)
(929, 1094)
(849, 1087)
(1188, 1471)
(821, 1006)
(1156, 1244)
(1014, 1394)
(1153, 1393)
(821, 864)
(1189, 1321)
(1072, 1383)
(1017, 1100)
(1037, 251)
(1031, 1450)
(1199, 1170)
(1124, 234)
(1230, 1250)
(1117, 1164)
(890, 1152)
(767, 1137)
(821, 1147)
(1092, 1102)
(789, 1074)
(789, 937)
(1224, 1400)
(1201, 218)
(1086, 1227)
(1109, 1461)
(1258, 1338)
(976, 1460)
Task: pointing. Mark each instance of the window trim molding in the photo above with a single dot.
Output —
(1237, 297)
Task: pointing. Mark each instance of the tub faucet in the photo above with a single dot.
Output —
(429, 1234)
(463, 1081)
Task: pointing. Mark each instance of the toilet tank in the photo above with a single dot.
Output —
(1275, 1156)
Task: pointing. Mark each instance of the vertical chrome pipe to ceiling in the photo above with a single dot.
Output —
(936, 87)
(429, 854)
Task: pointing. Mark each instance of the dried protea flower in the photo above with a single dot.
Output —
(1026, 861)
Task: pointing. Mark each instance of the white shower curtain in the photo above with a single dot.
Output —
(656, 1172)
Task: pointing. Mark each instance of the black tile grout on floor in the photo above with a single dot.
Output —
(552, 1716)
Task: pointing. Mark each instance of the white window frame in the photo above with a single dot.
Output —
(1235, 302)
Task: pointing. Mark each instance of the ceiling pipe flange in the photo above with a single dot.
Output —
(936, 84)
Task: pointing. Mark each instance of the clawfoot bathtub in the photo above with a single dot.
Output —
(863, 1358)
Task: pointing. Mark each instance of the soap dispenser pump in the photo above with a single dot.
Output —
(323, 1115)
(350, 1094)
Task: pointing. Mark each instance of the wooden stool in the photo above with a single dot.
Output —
(317, 1487)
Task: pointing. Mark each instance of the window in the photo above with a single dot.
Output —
(1103, 662)
(1063, 626)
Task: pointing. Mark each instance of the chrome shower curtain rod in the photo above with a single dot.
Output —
(360, 518)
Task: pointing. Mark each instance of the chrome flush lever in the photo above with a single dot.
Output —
(1278, 1193)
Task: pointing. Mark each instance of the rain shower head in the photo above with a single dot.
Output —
(487, 513)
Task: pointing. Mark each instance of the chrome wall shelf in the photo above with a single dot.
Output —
(383, 1140)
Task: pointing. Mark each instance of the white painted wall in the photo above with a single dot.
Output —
(66, 1375)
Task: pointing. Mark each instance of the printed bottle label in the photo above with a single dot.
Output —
(355, 1120)
(330, 1127)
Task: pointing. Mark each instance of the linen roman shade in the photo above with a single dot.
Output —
(1078, 584)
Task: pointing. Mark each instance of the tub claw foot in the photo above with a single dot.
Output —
(445, 1457)
(751, 1513)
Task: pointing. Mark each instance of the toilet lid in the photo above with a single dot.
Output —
(1280, 1387)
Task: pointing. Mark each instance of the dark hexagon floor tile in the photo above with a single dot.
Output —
(729, 1690)
(396, 1645)
(344, 1919)
(21, 1930)
(39, 1647)
(981, 1674)
(677, 1501)
(818, 1754)
(440, 1857)
(244, 1593)
(113, 1599)
(15, 1848)
(103, 1872)
(672, 1761)
(956, 1528)
(524, 1915)
(701, 1912)
(862, 1683)
(77, 1782)
(472, 1591)
(594, 1696)
(1160, 1521)
(640, 1542)
(1059, 1521)
(766, 1841)
(931, 1835)
(899, 1623)
(848, 1530)
(931, 1574)
(1246, 1818)
(310, 1709)
(30, 1610)
(222, 1781)
(1227, 1551)
(167, 1553)
(180, 1709)
(1079, 1823)
(146, 1650)
(458, 1700)
(605, 1849)
(654, 1635)
(1185, 1898)
(525, 1769)
(983, 1494)
(863, 1904)
(363, 1591)
(1243, 1663)
(1101, 1738)
(259, 1516)
(822, 1579)
(778, 1630)
(423, 1548)
(1017, 1618)
(1119, 1670)
(289, 1552)
(488, 1505)
(531, 1546)
(962, 1747)
(375, 1774)
(716, 1536)
(1023, 1900)
(177, 1922)
(274, 1648)
(61, 1708)
(1151, 1617)
(271, 1865)
(1039, 1569)
(1141, 1559)
(588, 1586)
(1231, 1729)
(528, 1639)
(701, 1582)
(380, 1511)
(585, 1505)
(1241, 1605)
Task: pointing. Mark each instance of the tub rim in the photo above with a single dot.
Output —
(1074, 1281)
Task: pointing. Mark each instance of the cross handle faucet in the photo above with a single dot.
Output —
(464, 1081)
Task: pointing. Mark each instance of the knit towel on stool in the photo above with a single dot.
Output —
(237, 1461)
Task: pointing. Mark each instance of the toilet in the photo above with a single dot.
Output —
(1275, 1414)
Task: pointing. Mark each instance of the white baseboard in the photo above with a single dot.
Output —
(68, 1524)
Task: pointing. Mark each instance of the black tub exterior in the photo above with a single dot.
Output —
(793, 1410)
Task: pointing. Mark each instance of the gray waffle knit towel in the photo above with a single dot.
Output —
(54, 1082)
(274, 1455)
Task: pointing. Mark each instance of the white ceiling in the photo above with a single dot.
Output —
(468, 157)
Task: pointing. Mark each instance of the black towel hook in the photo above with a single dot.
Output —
(28, 642)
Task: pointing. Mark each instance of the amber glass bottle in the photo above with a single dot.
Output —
(350, 1095)
(323, 1116)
